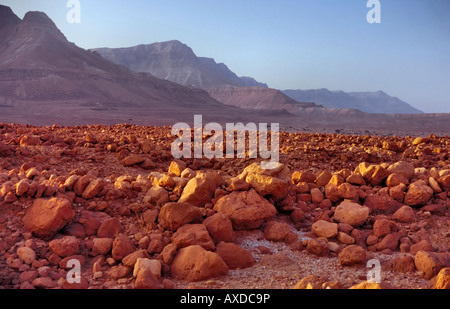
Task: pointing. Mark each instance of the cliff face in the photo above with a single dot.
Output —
(176, 62)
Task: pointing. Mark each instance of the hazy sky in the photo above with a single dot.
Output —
(288, 44)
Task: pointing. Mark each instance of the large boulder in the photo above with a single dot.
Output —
(46, 217)
(272, 182)
(351, 213)
(200, 189)
(246, 209)
(174, 215)
(419, 193)
(193, 234)
(194, 263)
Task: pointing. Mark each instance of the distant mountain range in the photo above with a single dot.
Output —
(370, 102)
(45, 79)
(177, 62)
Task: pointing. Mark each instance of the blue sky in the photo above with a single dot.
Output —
(288, 44)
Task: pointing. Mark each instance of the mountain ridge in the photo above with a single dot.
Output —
(378, 102)
(177, 62)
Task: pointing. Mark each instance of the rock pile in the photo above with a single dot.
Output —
(115, 201)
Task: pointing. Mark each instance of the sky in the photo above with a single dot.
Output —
(288, 44)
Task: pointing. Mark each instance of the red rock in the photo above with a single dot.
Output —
(442, 280)
(317, 247)
(145, 279)
(121, 247)
(382, 227)
(93, 188)
(396, 179)
(27, 255)
(65, 246)
(430, 263)
(325, 229)
(176, 167)
(193, 234)
(404, 168)
(345, 238)
(30, 140)
(132, 160)
(390, 242)
(246, 209)
(91, 220)
(234, 256)
(316, 195)
(422, 245)
(81, 184)
(404, 214)
(419, 193)
(156, 195)
(303, 176)
(352, 255)
(351, 213)
(297, 215)
(200, 189)
(117, 272)
(194, 263)
(102, 245)
(22, 187)
(403, 264)
(444, 182)
(276, 231)
(46, 217)
(44, 283)
(323, 178)
(174, 215)
(109, 228)
(382, 202)
(132, 258)
(220, 228)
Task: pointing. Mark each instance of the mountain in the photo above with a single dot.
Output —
(371, 102)
(45, 79)
(176, 62)
(258, 98)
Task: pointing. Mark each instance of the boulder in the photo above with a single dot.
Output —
(246, 209)
(174, 215)
(193, 234)
(404, 168)
(200, 189)
(194, 263)
(121, 247)
(351, 213)
(430, 263)
(65, 246)
(234, 256)
(46, 217)
(276, 231)
(404, 214)
(156, 195)
(317, 246)
(325, 229)
(109, 228)
(352, 255)
(419, 193)
(220, 228)
(442, 280)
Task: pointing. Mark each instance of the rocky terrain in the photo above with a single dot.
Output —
(114, 200)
